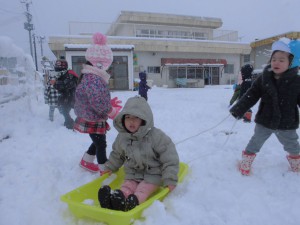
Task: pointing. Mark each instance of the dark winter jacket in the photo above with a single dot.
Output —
(279, 100)
(246, 72)
(143, 87)
(66, 83)
(148, 154)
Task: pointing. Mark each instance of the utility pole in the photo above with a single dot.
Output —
(41, 40)
(35, 56)
(28, 25)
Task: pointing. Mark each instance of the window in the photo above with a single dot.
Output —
(77, 62)
(246, 58)
(142, 33)
(229, 68)
(200, 36)
(120, 59)
(186, 72)
(173, 72)
(181, 72)
(191, 73)
(160, 33)
(199, 73)
(153, 69)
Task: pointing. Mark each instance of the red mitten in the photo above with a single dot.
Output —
(115, 109)
(115, 102)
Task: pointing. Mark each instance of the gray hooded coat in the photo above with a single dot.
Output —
(148, 154)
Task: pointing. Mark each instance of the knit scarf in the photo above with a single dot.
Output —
(95, 70)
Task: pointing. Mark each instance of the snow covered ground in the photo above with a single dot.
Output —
(39, 163)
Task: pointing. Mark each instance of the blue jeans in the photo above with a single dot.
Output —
(288, 138)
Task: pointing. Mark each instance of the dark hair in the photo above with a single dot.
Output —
(88, 63)
(81, 75)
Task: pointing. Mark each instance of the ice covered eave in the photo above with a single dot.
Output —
(85, 46)
(194, 64)
(213, 64)
(182, 64)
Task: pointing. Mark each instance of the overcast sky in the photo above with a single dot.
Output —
(252, 19)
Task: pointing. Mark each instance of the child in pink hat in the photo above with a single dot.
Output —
(93, 103)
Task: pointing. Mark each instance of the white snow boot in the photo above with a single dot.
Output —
(245, 165)
(87, 162)
(294, 162)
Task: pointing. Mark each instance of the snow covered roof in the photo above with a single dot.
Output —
(192, 62)
(85, 46)
(213, 64)
(182, 64)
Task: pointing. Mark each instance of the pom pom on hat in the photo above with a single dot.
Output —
(99, 54)
(99, 39)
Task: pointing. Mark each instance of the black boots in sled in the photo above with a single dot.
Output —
(116, 200)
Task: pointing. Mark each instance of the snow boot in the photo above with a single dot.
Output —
(87, 162)
(294, 162)
(117, 200)
(245, 165)
(69, 124)
(131, 202)
(104, 197)
(247, 117)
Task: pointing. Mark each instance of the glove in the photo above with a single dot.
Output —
(115, 108)
(115, 102)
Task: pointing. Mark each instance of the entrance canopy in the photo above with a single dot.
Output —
(196, 70)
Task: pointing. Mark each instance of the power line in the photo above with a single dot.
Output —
(8, 11)
(11, 20)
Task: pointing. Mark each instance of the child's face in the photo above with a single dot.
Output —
(132, 123)
(280, 62)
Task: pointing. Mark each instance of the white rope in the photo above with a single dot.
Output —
(230, 132)
(202, 132)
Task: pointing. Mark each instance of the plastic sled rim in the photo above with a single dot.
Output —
(129, 214)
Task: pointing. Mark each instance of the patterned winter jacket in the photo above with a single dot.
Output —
(149, 154)
(92, 97)
(50, 93)
(279, 100)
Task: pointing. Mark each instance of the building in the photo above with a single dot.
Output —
(174, 50)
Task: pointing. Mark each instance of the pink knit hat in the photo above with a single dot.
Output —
(99, 54)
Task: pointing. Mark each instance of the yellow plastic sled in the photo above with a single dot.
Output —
(83, 201)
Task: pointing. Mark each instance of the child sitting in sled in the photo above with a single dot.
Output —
(149, 157)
